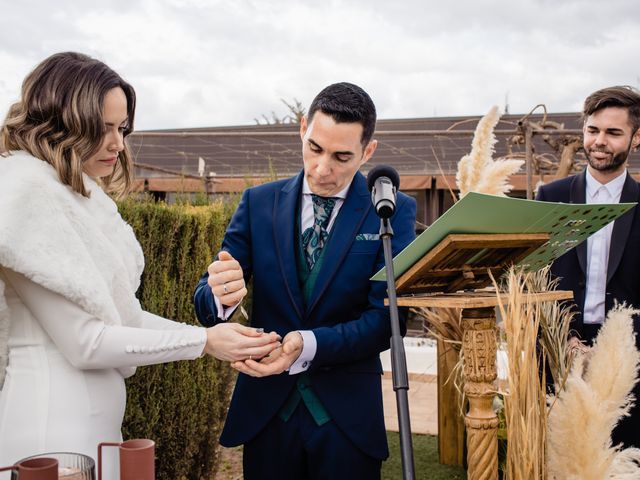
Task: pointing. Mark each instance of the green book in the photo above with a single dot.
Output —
(568, 224)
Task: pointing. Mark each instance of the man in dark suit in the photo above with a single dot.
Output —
(312, 408)
(606, 268)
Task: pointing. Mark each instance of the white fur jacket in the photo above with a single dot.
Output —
(75, 246)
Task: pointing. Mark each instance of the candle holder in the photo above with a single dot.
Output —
(70, 466)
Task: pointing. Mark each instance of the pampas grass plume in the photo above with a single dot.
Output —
(483, 143)
(477, 171)
(471, 167)
(597, 393)
(462, 175)
(494, 180)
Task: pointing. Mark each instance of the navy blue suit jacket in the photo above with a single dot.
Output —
(346, 312)
(623, 271)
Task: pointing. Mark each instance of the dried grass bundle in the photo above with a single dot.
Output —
(443, 324)
(596, 394)
(477, 171)
(555, 321)
(525, 402)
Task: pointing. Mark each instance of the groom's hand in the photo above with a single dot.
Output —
(278, 361)
(226, 279)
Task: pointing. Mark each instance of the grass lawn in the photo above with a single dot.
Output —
(425, 458)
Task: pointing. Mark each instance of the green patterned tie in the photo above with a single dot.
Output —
(314, 238)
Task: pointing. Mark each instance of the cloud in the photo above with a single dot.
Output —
(225, 62)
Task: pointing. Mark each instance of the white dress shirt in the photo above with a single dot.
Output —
(598, 246)
(306, 220)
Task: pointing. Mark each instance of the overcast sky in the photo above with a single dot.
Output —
(198, 63)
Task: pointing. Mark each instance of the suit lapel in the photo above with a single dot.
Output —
(578, 194)
(285, 209)
(353, 212)
(622, 226)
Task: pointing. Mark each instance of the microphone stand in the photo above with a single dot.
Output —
(398, 357)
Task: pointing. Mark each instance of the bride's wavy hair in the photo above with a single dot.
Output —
(59, 118)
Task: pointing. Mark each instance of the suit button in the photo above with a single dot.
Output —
(305, 364)
(581, 283)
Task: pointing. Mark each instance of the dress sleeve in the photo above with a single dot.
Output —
(88, 343)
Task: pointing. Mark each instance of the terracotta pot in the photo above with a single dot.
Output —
(137, 459)
(35, 469)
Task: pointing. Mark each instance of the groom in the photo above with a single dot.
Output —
(313, 407)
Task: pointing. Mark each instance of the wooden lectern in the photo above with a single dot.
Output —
(450, 275)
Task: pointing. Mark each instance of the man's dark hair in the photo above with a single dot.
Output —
(622, 96)
(346, 103)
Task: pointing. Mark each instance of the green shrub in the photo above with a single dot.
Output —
(180, 405)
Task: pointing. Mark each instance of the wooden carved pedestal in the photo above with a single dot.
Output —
(479, 350)
(455, 274)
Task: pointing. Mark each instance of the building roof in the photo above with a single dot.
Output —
(420, 146)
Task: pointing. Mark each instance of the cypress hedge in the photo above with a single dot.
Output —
(180, 405)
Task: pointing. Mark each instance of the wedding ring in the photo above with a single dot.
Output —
(224, 288)
(250, 357)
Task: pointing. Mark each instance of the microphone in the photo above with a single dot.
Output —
(383, 182)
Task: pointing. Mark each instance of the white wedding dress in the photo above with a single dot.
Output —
(64, 388)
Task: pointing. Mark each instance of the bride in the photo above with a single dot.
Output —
(71, 328)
